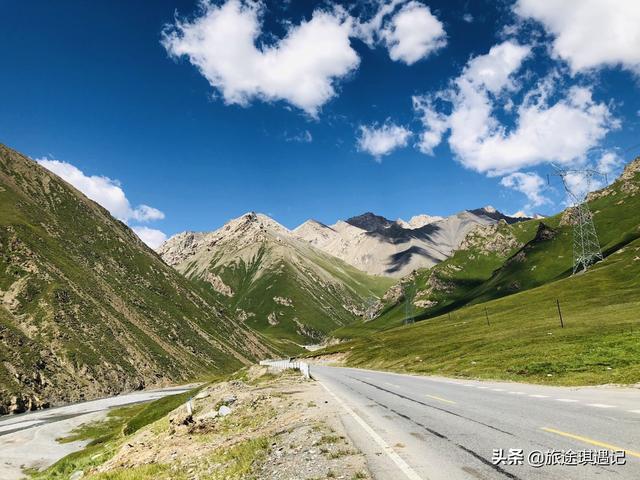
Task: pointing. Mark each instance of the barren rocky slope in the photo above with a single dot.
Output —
(86, 309)
(380, 246)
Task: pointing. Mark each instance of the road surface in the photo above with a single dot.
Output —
(29, 439)
(413, 427)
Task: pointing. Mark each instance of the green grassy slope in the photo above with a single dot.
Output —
(523, 338)
(86, 309)
(320, 292)
(480, 273)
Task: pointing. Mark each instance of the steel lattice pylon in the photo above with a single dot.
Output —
(586, 247)
(409, 293)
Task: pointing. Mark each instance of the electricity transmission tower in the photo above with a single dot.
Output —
(586, 247)
(409, 294)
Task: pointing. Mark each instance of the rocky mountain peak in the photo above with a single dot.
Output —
(370, 222)
(419, 221)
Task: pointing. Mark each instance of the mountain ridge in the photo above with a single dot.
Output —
(277, 283)
(394, 248)
(87, 309)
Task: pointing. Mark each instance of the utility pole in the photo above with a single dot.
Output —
(559, 313)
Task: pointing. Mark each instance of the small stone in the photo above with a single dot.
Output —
(223, 411)
(229, 399)
(76, 475)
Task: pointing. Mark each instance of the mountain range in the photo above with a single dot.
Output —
(273, 281)
(86, 309)
(380, 246)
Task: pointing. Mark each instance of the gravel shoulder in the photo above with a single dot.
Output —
(260, 424)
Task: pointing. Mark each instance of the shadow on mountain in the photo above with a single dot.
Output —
(401, 259)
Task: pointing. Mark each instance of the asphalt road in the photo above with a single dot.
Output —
(29, 439)
(413, 427)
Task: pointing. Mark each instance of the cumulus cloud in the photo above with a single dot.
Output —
(608, 163)
(152, 237)
(563, 132)
(530, 184)
(590, 33)
(382, 140)
(104, 191)
(301, 68)
(413, 34)
(408, 30)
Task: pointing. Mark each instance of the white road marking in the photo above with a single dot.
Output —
(634, 411)
(402, 465)
(601, 405)
(483, 388)
(516, 393)
(539, 396)
(468, 385)
(566, 400)
(498, 389)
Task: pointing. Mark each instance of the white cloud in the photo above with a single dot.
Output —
(409, 34)
(301, 137)
(467, 17)
(434, 122)
(152, 237)
(380, 141)
(104, 191)
(608, 163)
(530, 184)
(300, 69)
(590, 33)
(563, 132)
(413, 34)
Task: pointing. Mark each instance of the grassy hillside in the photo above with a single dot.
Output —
(86, 309)
(503, 322)
(524, 341)
(507, 259)
(278, 285)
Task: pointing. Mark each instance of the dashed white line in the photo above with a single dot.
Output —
(482, 388)
(601, 405)
(566, 400)
(516, 393)
(498, 389)
(539, 396)
(634, 411)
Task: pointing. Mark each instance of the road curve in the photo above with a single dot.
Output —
(448, 429)
(29, 439)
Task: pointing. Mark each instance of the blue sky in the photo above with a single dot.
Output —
(196, 113)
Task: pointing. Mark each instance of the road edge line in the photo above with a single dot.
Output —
(395, 458)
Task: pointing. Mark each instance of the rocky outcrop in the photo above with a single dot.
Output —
(487, 239)
(218, 285)
(285, 302)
